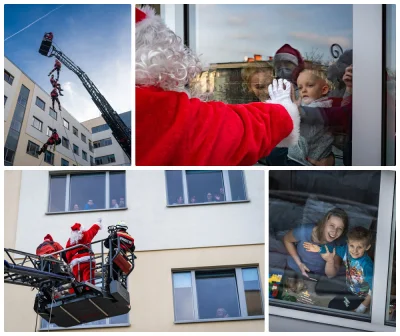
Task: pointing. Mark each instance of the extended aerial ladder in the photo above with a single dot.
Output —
(120, 131)
(63, 300)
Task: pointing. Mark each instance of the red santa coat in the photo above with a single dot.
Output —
(81, 254)
(172, 129)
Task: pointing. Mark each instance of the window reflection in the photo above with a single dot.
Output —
(183, 296)
(252, 291)
(117, 190)
(57, 193)
(205, 186)
(311, 214)
(174, 186)
(87, 192)
(309, 45)
(217, 294)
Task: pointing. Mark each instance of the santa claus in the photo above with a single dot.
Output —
(80, 258)
(174, 128)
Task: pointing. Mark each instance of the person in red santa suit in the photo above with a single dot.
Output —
(80, 258)
(175, 128)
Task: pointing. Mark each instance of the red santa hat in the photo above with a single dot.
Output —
(76, 227)
(146, 17)
(48, 237)
(288, 53)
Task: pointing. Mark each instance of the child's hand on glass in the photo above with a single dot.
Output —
(311, 247)
(328, 256)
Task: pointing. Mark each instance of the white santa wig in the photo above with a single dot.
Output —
(162, 59)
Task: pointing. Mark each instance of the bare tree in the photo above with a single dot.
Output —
(314, 56)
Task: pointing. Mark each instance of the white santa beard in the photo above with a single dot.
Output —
(161, 58)
(76, 236)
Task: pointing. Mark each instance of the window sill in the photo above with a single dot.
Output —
(89, 327)
(206, 203)
(223, 320)
(78, 211)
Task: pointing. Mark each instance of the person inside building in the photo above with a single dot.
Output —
(54, 98)
(53, 140)
(57, 67)
(47, 247)
(81, 259)
(127, 245)
(190, 131)
(56, 85)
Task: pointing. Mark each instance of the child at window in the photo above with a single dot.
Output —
(359, 269)
(316, 140)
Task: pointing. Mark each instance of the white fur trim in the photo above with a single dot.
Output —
(293, 138)
(80, 260)
(286, 57)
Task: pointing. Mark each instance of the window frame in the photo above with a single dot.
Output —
(240, 293)
(66, 121)
(83, 136)
(10, 79)
(73, 131)
(84, 155)
(367, 139)
(73, 149)
(68, 187)
(66, 141)
(41, 124)
(227, 187)
(62, 159)
(377, 320)
(55, 112)
(41, 101)
(38, 148)
(5, 100)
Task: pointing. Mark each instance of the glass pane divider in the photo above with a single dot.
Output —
(194, 294)
(241, 293)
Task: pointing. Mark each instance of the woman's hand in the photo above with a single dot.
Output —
(328, 256)
(311, 247)
(303, 269)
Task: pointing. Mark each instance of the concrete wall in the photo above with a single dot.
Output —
(11, 91)
(154, 225)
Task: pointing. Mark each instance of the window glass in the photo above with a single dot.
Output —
(252, 291)
(75, 130)
(16, 125)
(87, 191)
(310, 212)
(8, 77)
(76, 149)
(117, 190)
(391, 295)
(174, 187)
(65, 142)
(32, 149)
(40, 103)
(64, 162)
(37, 124)
(83, 137)
(236, 180)
(205, 186)
(66, 124)
(390, 71)
(242, 60)
(48, 157)
(8, 155)
(183, 296)
(58, 187)
(217, 294)
(53, 113)
(84, 155)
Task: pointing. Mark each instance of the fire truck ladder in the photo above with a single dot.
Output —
(120, 131)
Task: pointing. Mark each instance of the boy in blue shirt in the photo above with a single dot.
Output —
(359, 269)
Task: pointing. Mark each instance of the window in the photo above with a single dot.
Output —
(100, 128)
(91, 161)
(75, 130)
(117, 190)
(8, 77)
(5, 100)
(49, 131)
(83, 137)
(333, 209)
(64, 162)
(32, 149)
(121, 320)
(217, 294)
(16, 122)
(65, 142)
(84, 155)
(40, 103)
(205, 186)
(66, 124)
(102, 143)
(102, 160)
(90, 146)
(91, 191)
(52, 113)
(37, 124)
(76, 149)
(49, 157)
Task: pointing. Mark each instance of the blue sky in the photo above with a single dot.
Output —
(97, 38)
(244, 30)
